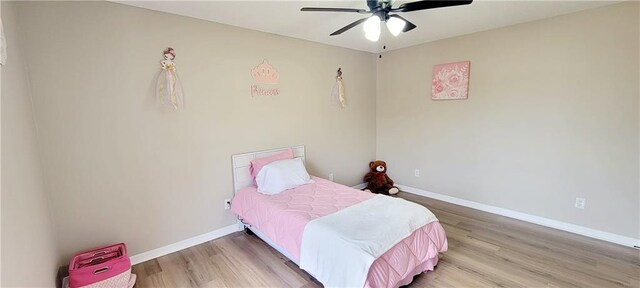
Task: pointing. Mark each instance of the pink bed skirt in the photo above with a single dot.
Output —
(429, 265)
(414, 255)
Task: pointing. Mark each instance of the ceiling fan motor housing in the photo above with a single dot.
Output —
(376, 6)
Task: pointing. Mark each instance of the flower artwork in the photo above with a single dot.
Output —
(450, 81)
(168, 86)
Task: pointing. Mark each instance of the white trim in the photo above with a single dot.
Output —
(576, 229)
(184, 244)
(359, 186)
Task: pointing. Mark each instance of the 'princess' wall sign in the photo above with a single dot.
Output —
(265, 77)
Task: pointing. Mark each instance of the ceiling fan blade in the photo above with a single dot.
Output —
(428, 4)
(345, 28)
(322, 9)
(408, 26)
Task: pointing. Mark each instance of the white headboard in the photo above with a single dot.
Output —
(240, 164)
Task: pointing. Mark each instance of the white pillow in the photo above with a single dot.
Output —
(281, 175)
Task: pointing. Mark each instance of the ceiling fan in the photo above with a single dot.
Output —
(380, 10)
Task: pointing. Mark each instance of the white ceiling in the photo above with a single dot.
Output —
(285, 18)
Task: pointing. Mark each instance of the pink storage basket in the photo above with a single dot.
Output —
(103, 267)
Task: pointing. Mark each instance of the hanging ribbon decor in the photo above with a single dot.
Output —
(337, 95)
(168, 87)
(3, 46)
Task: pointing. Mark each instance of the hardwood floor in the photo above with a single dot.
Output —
(485, 250)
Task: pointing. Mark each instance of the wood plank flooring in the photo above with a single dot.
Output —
(485, 250)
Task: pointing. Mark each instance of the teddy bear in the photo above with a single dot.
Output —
(377, 179)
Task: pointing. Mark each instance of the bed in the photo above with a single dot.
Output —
(280, 220)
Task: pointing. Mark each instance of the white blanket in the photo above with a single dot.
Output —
(338, 249)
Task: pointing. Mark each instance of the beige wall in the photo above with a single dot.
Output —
(29, 253)
(552, 115)
(119, 169)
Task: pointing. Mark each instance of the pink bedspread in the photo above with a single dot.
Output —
(282, 218)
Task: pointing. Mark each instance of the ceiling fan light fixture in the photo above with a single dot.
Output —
(395, 25)
(372, 28)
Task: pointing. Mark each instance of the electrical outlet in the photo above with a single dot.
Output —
(580, 203)
(416, 173)
(330, 176)
(227, 204)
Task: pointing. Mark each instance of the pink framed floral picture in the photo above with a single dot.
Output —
(450, 81)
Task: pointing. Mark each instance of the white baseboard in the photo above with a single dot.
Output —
(155, 253)
(184, 244)
(359, 186)
(576, 229)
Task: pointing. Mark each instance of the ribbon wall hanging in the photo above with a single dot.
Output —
(3, 46)
(168, 87)
(337, 95)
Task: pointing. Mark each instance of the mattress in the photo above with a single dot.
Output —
(282, 218)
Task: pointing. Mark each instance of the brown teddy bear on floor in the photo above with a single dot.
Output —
(378, 181)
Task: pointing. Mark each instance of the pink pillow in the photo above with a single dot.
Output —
(257, 164)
